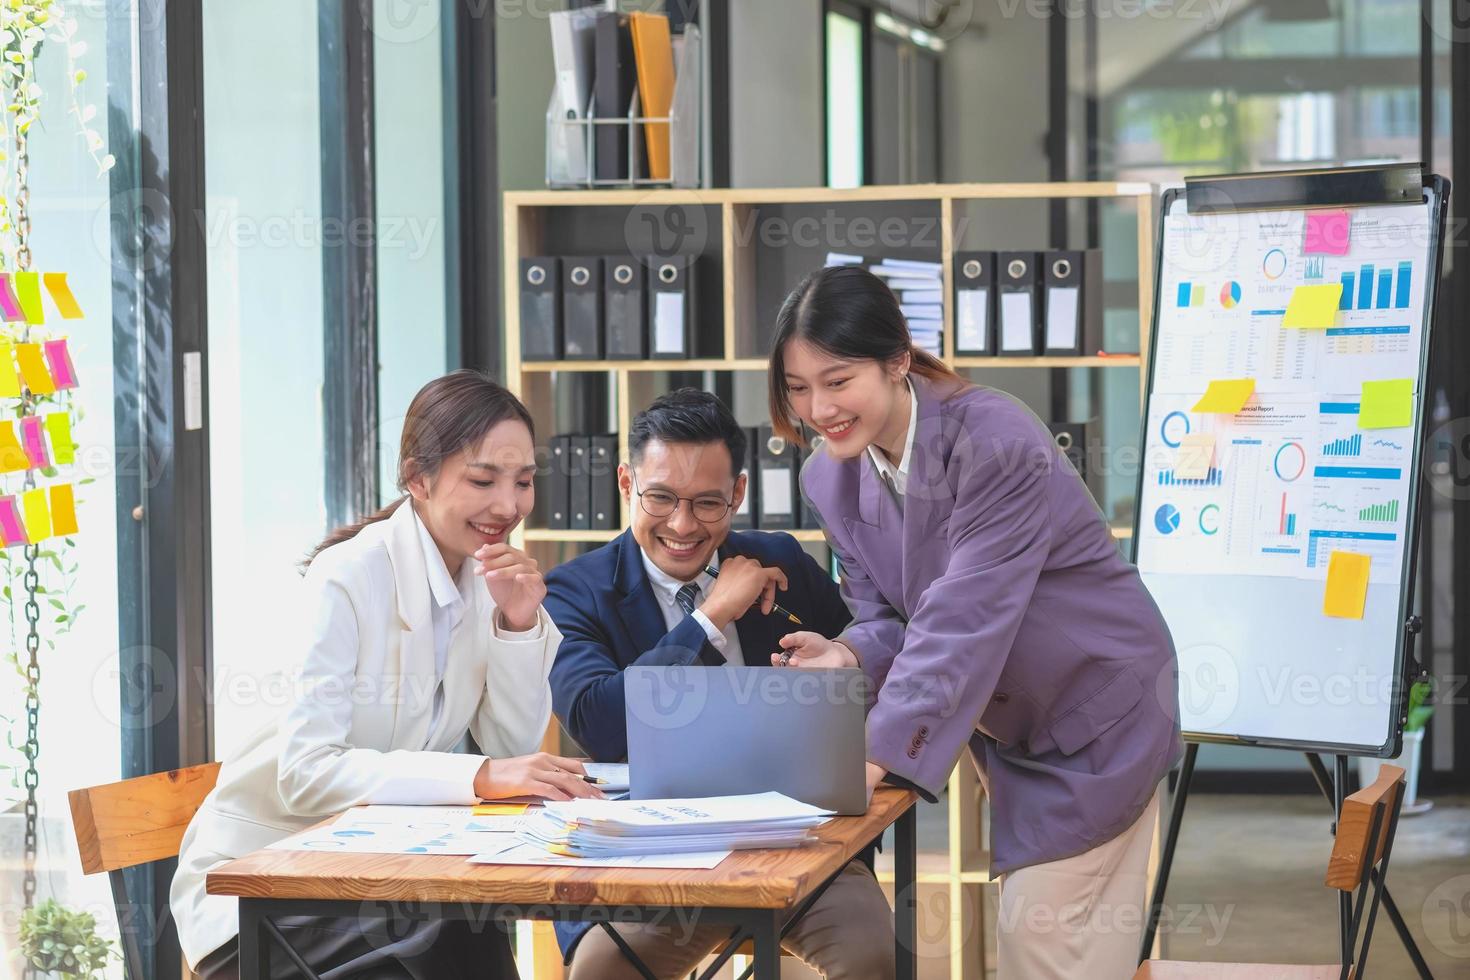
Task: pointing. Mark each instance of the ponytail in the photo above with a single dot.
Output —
(349, 531)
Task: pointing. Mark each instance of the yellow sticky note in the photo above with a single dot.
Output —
(37, 514)
(1387, 404)
(28, 292)
(1347, 585)
(1313, 307)
(63, 510)
(500, 809)
(1195, 456)
(9, 380)
(13, 458)
(33, 369)
(61, 295)
(63, 450)
(1226, 397)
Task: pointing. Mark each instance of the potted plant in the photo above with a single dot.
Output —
(1417, 716)
(55, 939)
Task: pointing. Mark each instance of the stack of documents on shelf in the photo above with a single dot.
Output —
(919, 286)
(614, 828)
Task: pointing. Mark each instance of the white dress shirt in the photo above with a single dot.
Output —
(900, 476)
(665, 587)
(447, 612)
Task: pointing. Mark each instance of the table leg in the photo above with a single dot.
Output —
(766, 926)
(905, 895)
(255, 951)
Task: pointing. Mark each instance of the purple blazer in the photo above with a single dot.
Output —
(994, 611)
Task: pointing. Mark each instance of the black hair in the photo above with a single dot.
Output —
(847, 312)
(688, 415)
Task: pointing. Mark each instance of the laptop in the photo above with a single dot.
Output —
(724, 731)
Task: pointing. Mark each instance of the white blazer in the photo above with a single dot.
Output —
(356, 730)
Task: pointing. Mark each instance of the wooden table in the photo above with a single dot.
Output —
(756, 892)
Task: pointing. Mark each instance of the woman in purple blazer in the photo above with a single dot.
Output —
(991, 609)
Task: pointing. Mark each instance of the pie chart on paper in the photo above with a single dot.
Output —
(1166, 519)
(1230, 295)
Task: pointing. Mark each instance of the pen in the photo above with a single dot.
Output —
(776, 607)
(594, 780)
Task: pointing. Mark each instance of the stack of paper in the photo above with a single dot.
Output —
(919, 287)
(609, 828)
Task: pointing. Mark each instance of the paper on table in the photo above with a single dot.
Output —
(530, 854)
(1313, 307)
(613, 774)
(1347, 585)
(1226, 397)
(463, 819)
(1386, 404)
(1328, 233)
(690, 815)
(1195, 456)
(500, 809)
(1015, 321)
(355, 840)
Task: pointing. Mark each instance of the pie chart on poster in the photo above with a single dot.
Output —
(1230, 295)
(1166, 519)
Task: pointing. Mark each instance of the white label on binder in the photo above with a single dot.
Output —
(776, 490)
(1015, 321)
(973, 305)
(1061, 317)
(668, 323)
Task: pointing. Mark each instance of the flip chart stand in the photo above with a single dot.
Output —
(1346, 187)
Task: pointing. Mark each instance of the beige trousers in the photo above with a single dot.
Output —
(846, 935)
(1081, 916)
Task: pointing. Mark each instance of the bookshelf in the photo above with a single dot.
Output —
(602, 222)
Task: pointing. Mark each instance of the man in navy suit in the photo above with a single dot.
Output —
(645, 598)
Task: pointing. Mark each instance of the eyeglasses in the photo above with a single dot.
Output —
(707, 509)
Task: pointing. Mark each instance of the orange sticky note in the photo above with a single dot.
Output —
(63, 510)
(37, 514)
(33, 369)
(1347, 585)
(1327, 233)
(499, 809)
(13, 458)
(9, 380)
(1195, 456)
(1312, 307)
(1226, 397)
(63, 449)
(61, 295)
(28, 293)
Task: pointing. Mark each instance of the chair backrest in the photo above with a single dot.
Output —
(138, 820)
(1362, 840)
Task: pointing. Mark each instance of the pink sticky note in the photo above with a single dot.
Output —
(9, 304)
(34, 441)
(1328, 232)
(59, 358)
(10, 526)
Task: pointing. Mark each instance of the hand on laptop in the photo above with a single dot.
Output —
(539, 774)
(812, 650)
(743, 583)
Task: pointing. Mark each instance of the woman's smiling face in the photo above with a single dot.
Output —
(479, 495)
(852, 403)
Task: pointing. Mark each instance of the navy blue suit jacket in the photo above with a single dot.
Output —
(610, 619)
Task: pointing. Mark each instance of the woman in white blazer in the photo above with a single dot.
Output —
(426, 625)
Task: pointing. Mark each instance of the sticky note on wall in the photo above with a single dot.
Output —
(1328, 232)
(63, 449)
(1347, 585)
(9, 380)
(13, 458)
(34, 442)
(9, 305)
(11, 528)
(61, 295)
(1386, 404)
(33, 369)
(58, 356)
(63, 510)
(36, 510)
(28, 291)
(1313, 307)
(1226, 397)
(1195, 456)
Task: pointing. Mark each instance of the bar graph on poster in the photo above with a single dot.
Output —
(1281, 429)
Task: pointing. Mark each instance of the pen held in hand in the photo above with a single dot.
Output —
(776, 607)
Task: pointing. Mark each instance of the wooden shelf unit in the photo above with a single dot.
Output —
(525, 222)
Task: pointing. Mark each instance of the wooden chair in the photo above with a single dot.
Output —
(136, 821)
(1359, 856)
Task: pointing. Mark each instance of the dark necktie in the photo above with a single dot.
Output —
(686, 597)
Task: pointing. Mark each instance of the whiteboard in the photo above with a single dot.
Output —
(1236, 558)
